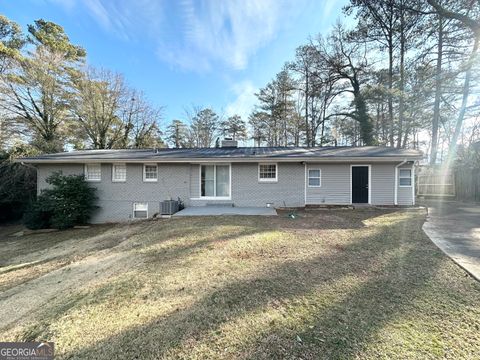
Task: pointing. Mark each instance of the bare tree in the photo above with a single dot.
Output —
(141, 122)
(100, 96)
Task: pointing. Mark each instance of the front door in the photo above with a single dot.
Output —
(359, 184)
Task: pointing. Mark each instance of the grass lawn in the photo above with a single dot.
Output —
(331, 284)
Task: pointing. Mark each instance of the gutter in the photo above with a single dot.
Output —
(395, 201)
(216, 160)
(27, 164)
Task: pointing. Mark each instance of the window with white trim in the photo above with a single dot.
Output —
(119, 172)
(215, 181)
(140, 210)
(267, 172)
(150, 172)
(93, 172)
(405, 177)
(314, 178)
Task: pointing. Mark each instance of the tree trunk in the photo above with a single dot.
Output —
(307, 90)
(463, 107)
(402, 79)
(390, 88)
(438, 94)
(362, 115)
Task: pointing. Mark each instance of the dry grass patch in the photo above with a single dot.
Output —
(330, 284)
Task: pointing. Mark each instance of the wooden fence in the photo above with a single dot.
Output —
(467, 184)
(462, 183)
(435, 182)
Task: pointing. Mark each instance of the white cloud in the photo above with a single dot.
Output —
(228, 32)
(125, 19)
(197, 34)
(245, 100)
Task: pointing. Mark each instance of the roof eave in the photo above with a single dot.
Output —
(224, 159)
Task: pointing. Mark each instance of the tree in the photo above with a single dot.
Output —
(17, 183)
(203, 126)
(177, 134)
(306, 57)
(348, 64)
(100, 95)
(285, 106)
(469, 19)
(140, 121)
(111, 115)
(235, 127)
(37, 91)
(378, 21)
(12, 41)
(259, 122)
(389, 24)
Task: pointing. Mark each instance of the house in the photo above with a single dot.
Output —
(131, 183)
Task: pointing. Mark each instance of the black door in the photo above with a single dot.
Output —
(359, 184)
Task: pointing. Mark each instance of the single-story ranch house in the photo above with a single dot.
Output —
(132, 183)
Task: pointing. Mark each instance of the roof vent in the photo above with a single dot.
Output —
(229, 143)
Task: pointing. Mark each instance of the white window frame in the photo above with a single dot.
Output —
(229, 197)
(144, 173)
(314, 177)
(113, 173)
(86, 172)
(133, 210)
(269, 180)
(405, 177)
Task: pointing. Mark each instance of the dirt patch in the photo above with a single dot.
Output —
(21, 300)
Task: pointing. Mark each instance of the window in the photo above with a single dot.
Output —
(267, 172)
(93, 172)
(150, 172)
(119, 172)
(314, 178)
(215, 181)
(140, 210)
(405, 177)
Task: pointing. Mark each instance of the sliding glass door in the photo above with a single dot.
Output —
(215, 181)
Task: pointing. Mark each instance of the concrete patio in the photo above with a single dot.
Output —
(225, 210)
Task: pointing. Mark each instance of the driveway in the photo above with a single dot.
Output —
(455, 228)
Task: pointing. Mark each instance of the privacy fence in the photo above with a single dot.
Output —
(461, 183)
(467, 184)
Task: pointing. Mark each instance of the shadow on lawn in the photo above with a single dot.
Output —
(340, 329)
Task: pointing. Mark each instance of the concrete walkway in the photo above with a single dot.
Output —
(455, 228)
(225, 210)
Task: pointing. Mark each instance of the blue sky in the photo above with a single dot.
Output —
(208, 53)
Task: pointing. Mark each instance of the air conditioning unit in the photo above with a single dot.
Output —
(169, 207)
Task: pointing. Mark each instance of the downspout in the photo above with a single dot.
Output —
(413, 182)
(395, 201)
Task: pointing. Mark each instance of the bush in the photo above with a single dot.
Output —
(17, 185)
(36, 217)
(70, 201)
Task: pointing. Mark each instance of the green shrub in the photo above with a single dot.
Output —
(37, 217)
(18, 185)
(70, 201)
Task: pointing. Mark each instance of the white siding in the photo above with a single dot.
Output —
(335, 189)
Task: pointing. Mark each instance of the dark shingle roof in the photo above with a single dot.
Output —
(236, 154)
